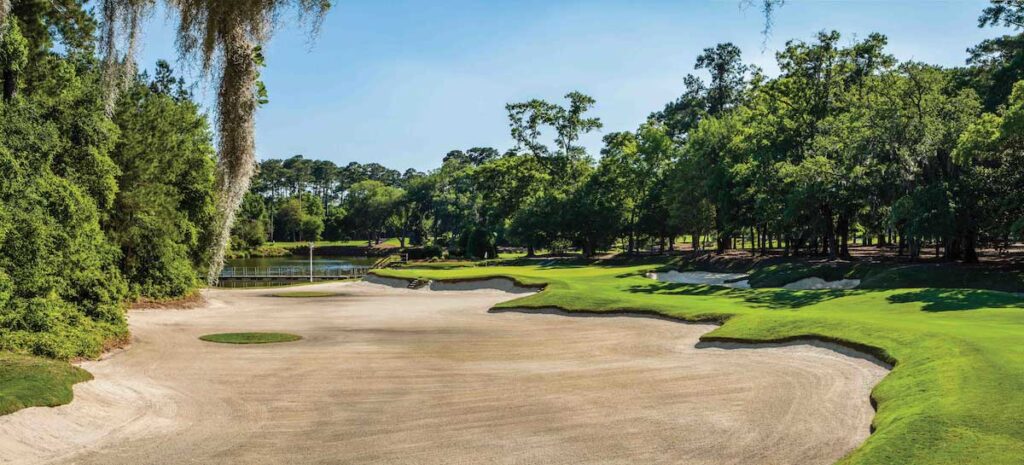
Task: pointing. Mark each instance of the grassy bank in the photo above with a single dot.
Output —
(893, 276)
(27, 381)
(955, 396)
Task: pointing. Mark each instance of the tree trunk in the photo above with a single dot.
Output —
(799, 244)
(844, 236)
(10, 83)
(970, 253)
(830, 233)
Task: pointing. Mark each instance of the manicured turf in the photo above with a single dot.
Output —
(27, 381)
(890, 276)
(307, 294)
(250, 338)
(955, 396)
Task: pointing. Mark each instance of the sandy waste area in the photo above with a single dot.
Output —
(387, 375)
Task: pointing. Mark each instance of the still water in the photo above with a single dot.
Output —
(300, 264)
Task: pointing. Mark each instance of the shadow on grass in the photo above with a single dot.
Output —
(768, 298)
(947, 300)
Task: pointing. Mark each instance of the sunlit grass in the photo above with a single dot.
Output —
(27, 381)
(955, 396)
(250, 338)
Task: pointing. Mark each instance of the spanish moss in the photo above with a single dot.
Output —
(5, 7)
(121, 21)
(225, 38)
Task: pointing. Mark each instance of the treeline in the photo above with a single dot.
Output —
(846, 145)
(299, 199)
(98, 206)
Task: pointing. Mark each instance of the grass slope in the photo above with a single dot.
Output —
(955, 396)
(250, 338)
(890, 276)
(27, 381)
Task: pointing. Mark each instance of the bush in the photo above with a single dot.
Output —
(425, 253)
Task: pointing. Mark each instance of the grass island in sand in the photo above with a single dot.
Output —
(250, 338)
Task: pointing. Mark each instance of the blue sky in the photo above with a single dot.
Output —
(402, 82)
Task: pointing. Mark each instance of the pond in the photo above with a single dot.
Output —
(293, 265)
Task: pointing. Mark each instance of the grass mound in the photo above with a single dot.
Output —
(27, 381)
(307, 294)
(785, 273)
(250, 338)
(892, 276)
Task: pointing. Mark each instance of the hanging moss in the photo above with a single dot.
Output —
(225, 37)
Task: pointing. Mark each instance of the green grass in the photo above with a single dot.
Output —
(27, 381)
(250, 338)
(306, 294)
(890, 276)
(955, 395)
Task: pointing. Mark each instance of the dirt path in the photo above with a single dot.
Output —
(389, 376)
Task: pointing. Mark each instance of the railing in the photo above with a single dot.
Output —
(292, 272)
(388, 260)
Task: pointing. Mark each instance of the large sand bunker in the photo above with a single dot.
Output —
(388, 376)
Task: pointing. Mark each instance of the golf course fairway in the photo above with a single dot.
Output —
(954, 396)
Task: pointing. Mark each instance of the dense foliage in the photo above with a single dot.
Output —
(846, 144)
(94, 210)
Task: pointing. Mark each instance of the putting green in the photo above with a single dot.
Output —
(955, 395)
(250, 338)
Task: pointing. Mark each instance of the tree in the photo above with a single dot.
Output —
(526, 120)
(60, 285)
(163, 212)
(570, 123)
(992, 148)
(370, 206)
(250, 230)
(728, 82)
(637, 163)
(13, 57)
(227, 42)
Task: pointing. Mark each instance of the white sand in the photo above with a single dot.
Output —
(702, 277)
(497, 284)
(397, 376)
(818, 283)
